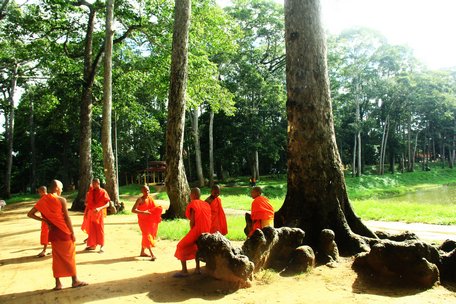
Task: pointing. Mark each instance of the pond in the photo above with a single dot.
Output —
(445, 194)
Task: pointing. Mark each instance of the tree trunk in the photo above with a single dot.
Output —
(196, 141)
(415, 146)
(32, 148)
(256, 165)
(85, 132)
(358, 131)
(211, 148)
(354, 157)
(106, 133)
(359, 168)
(453, 146)
(176, 180)
(316, 198)
(9, 130)
(381, 169)
(409, 144)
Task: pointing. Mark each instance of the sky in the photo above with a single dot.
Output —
(428, 27)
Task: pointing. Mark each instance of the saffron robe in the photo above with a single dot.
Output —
(262, 214)
(63, 248)
(186, 248)
(148, 223)
(94, 227)
(44, 235)
(218, 218)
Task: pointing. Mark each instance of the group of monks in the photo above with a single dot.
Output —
(205, 217)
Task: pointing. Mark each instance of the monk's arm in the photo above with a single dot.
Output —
(102, 207)
(135, 206)
(67, 217)
(192, 218)
(32, 214)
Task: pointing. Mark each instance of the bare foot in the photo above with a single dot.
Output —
(57, 287)
(79, 284)
(144, 255)
(101, 250)
(41, 254)
(153, 258)
(90, 248)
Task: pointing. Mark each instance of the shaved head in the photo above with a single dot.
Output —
(56, 186)
(195, 193)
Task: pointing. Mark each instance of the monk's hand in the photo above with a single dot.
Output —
(147, 212)
(50, 225)
(96, 210)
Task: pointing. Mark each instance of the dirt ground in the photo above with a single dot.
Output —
(119, 276)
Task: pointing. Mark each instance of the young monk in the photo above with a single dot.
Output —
(149, 216)
(97, 200)
(54, 213)
(218, 218)
(44, 236)
(199, 214)
(262, 213)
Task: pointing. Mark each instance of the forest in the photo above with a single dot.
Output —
(391, 113)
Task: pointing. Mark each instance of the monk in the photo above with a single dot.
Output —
(199, 214)
(218, 218)
(54, 213)
(149, 216)
(262, 213)
(97, 200)
(44, 236)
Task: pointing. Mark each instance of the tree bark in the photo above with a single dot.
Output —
(176, 180)
(32, 148)
(354, 156)
(358, 131)
(211, 148)
(316, 198)
(409, 144)
(106, 133)
(256, 165)
(85, 116)
(9, 129)
(196, 141)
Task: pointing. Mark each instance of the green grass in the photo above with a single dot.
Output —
(405, 212)
(176, 229)
(364, 193)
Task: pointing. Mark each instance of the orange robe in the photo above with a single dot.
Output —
(63, 249)
(94, 227)
(261, 211)
(148, 223)
(186, 248)
(218, 218)
(44, 236)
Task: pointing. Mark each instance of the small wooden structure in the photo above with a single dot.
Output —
(154, 173)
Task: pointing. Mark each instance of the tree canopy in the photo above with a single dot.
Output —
(390, 111)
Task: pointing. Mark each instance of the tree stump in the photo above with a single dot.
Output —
(410, 262)
(302, 260)
(447, 265)
(223, 261)
(272, 247)
(327, 253)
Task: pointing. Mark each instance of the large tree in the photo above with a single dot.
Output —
(176, 180)
(316, 198)
(106, 134)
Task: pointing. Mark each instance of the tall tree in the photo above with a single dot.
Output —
(106, 135)
(176, 180)
(316, 198)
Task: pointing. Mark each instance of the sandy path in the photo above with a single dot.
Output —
(119, 276)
